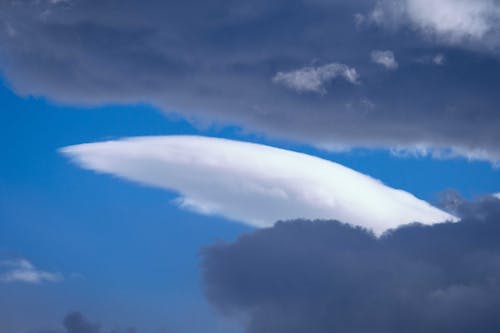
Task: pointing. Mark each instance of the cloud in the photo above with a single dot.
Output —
(449, 21)
(22, 271)
(313, 79)
(437, 59)
(325, 276)
(217, 64)
(75, 322)
(253, 183)
(384, 58)
(442, 153)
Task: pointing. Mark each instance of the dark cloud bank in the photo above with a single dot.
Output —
(325, 276)
(219, 60)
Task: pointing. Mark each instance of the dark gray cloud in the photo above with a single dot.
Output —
(325, 276)
(216, 60)
(75, 322)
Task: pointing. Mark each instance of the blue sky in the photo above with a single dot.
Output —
(107, 227)
(409, 94)
(127, 251)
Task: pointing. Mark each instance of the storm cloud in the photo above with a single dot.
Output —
(216, 61)
(331, 277)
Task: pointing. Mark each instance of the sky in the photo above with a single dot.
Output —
(235, 167)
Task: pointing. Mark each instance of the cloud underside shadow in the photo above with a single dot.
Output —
(173, 57)
(325, 276)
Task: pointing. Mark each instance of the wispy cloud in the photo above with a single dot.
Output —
(23, 271)
(384, 58)
(438, 59)
(314, 79)
(255, 184)
(444, 153)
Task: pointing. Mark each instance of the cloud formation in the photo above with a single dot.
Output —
(325, 276)
(439, 59)
(450, 21)
(384, 58)
(22, 271)
(174, 57)
(313, 79)
(253, 183)
(75, 322)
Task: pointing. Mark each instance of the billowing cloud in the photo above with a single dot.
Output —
(20, 270)
(384, 58)
(325, 276)
(313, 79)
(253, 183)
(216, 61)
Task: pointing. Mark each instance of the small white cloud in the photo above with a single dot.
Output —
(359, 20)
(497, 195)
(384, 58)
(21, 270)
(438, 59)
(255, 184)
(313, 79)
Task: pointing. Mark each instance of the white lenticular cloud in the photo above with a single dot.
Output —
(253, 183)
(313, 79)
(384, 58)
